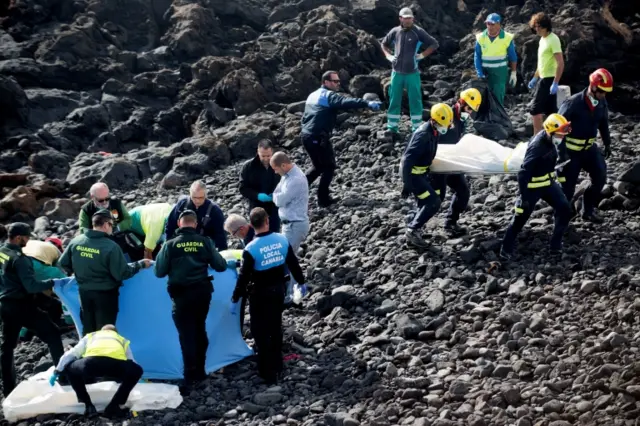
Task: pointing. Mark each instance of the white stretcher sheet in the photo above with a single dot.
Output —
(477, 155)
(35, 396)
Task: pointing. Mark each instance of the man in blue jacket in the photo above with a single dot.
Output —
(318, 121)
(588, 113)
(210, 216)
(416, 160)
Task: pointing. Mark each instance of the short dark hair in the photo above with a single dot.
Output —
(265, 144)
(280, 158)
(327, 75)
(258, 217)
(190, 219)
(541, 19)
(98, 221)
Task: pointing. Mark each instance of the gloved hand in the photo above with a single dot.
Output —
(554, 88)
(264, 198)
(375, 105)
(232, 264)
(532, 83)
(420, 56)
(53, 378)
(481, 75)
(233, 308)
(390, 58)
(607, 151)
(303, 290)
(513, 79)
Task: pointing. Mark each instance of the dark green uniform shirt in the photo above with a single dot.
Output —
(187, 257)
(17, 278)
(116, 207)
(97, 262)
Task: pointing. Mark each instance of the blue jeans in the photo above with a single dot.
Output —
(296, 232)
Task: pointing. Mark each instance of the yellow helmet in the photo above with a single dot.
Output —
(556, 123)
(442, 114)
(472, 97)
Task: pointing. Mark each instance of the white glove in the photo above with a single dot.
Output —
(513, 79)
(420, 56)
(390, 58)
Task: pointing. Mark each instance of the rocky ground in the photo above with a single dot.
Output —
(148, 95)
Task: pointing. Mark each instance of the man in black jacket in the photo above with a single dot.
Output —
(257, 182)
(320, 114)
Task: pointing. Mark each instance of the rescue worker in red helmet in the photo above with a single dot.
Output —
(588, 112)
(468, 103)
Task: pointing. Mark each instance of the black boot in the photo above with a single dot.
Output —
(592, 217)
(454, 229)
(114, 411)
(414, 239)
(90, 410)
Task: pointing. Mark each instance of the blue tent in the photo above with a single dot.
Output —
(145, 319)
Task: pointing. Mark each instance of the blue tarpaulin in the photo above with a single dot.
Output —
(145, 319)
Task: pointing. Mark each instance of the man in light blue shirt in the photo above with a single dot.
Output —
(291, 196)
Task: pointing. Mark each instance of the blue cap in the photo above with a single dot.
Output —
(493, 18)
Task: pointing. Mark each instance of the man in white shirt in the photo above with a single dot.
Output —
(291, 196)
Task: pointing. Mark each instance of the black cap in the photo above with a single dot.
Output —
(103, 213)
(187, 212)
(19, 229)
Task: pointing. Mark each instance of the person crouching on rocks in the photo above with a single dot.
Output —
(416, 160)
(263, 269)
(102, 354)
(468, 103)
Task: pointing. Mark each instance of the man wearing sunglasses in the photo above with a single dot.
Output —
(100, 268)
(588, 113)
(101, 199)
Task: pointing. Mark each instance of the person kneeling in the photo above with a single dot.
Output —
(103, 353)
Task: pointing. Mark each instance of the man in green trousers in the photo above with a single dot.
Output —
(404, 46)
(494, 52)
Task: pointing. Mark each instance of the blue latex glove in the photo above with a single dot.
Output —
(53, 378)
(554, 88)
(533, 82)
(232, 264)
(481, 75)
(234, 308)
(375, 105)
(264, 198)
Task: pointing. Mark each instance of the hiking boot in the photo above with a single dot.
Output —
(414, 239)
(592, 217)
(454, 229)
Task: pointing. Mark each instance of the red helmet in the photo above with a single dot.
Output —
(602, 79)
(55, 241)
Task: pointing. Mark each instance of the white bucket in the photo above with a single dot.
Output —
(564, 92)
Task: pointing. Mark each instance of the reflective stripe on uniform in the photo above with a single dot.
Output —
(494, 53)
(518, 210)
(438, 191)
(578, 144)
(541, 181)
(106, 343)
(419, 170)
(424, 195)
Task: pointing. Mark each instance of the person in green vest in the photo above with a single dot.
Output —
(149, 222)
(404, 46)
(495, 53)
(101, 199)
(104, 353)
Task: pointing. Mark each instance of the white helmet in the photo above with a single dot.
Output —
(406, 12)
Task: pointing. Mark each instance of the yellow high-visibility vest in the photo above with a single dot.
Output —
(494, 53)
(106, 343)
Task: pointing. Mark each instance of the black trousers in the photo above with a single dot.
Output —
(265, 308)
(190, 310)
(15, 315)
(87, 370)
(99, 308)
(461, 193)
(323, 160)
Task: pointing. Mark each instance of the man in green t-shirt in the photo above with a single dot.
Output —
(548, 72)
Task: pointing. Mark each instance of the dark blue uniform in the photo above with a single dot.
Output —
(318, 121)
(262, 276)
(416, 160)
(457, 182)
(210, 221)
(536, 180)
(584, 154)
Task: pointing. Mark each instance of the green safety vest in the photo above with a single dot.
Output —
(494, 53)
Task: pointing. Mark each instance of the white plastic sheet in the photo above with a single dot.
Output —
(477, 155)
(35, 396)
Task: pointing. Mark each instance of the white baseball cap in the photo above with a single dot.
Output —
(406, 12)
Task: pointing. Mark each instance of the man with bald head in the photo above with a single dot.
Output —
(210, 216)
(291, 196)
(101, 199)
